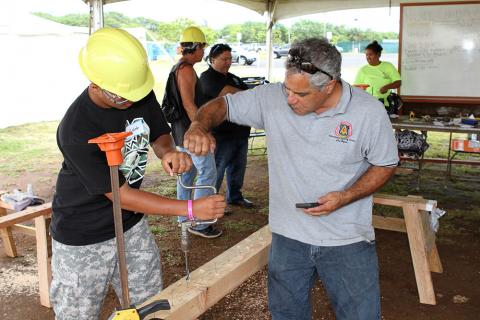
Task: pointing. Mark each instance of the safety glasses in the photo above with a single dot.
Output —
(199, 45)
(116, 99)
(304, 65)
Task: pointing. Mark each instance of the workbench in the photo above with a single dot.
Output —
(404, 123)
(41, 217)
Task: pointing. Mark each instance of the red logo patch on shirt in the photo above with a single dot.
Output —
(343, 130)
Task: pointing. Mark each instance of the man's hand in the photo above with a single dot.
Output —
(383, 90)
(176, 162)
(328, 203)
(209, 207)
(198, 141)
(371, 181)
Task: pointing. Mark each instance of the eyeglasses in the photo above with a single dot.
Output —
(304, 65)
(116, 99)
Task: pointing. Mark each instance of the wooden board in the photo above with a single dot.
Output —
(215, 279)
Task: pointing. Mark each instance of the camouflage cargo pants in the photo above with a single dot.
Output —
(82, 274)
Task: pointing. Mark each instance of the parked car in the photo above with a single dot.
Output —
(281, 51)
(239, 55)
(253, 47)
(243, 57)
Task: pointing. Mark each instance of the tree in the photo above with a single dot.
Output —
(306, 29)
(229, 32)
(279, 34)
(252, 32)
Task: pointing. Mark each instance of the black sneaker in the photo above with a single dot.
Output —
(245, 203)
(210, 232)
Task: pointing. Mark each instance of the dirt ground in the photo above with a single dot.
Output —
(457, 288)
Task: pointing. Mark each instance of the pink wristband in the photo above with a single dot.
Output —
(190, 210)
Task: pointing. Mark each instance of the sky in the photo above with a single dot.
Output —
(378, 19)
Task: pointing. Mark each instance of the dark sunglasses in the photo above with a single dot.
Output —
(304, 65)
(219, 49)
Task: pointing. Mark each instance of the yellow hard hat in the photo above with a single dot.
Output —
(193, 34)
(116, 61)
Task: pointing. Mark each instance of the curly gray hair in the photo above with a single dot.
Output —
(324, 57)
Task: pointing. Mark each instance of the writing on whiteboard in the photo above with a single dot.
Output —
(440, 50)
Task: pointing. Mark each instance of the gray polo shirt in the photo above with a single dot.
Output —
(311, 155)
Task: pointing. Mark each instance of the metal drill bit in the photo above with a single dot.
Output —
(187, 270)
(185, 245)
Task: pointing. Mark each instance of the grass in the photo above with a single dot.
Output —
(239, 226)
(257, 146)
(28, 147)
(32, 147)
(167, 190)
(158, 230)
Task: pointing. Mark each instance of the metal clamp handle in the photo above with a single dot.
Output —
(194, 222)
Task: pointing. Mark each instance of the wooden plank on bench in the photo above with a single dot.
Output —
(389, 223)
(418, 250)
(43, 260)
(25, 215)
(399, 201)
(215, 279)
(24, 229)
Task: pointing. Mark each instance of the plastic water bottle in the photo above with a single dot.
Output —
(30, 190)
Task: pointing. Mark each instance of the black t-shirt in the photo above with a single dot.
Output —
(82, 214)
(213, 83)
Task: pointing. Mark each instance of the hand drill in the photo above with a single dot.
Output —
(184, 236)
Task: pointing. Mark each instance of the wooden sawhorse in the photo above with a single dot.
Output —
(421, 237)
(41, 215)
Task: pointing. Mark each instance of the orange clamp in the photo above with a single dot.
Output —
(111, 144)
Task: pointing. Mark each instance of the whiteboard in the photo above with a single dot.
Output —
(440, 51)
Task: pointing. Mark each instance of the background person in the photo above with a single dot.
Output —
(192, 44)
(381, 76)
(232, 139)
(119, 98)
(328, 143)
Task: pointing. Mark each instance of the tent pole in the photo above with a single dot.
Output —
(271, 6)
(96, 15)
(269, 49)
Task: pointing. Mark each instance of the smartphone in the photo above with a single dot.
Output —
(306, 205)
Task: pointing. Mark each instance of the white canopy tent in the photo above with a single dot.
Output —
(275, 10)
(38, 63)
